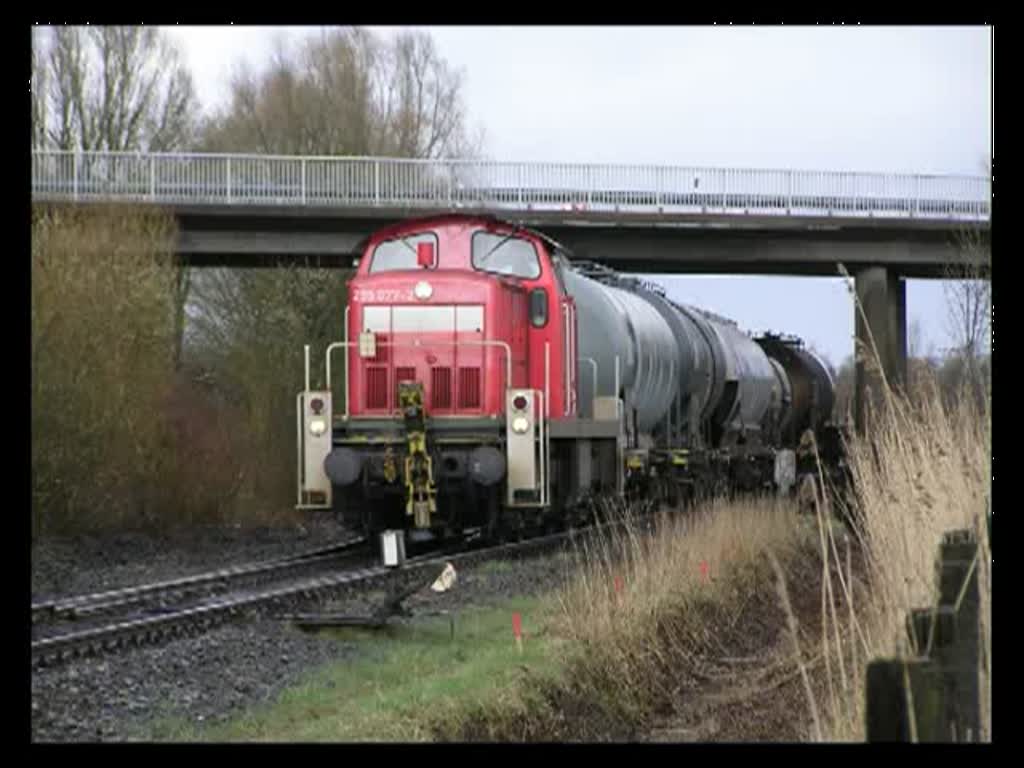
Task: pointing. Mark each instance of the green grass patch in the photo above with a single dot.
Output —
(402, 680)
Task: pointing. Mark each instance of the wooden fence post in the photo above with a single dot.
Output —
(943, 701)
(888, 704)
(960, 656)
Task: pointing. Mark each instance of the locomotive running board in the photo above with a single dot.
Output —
(576, 429)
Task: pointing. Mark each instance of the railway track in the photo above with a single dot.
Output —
(192, 616)
(97, 603)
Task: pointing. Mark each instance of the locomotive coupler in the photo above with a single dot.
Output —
(419, 469)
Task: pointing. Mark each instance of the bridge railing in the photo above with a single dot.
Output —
(389, 182)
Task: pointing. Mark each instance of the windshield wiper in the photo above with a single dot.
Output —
(405, 241)
(518, 228)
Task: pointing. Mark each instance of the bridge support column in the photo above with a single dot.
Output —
(881, 323)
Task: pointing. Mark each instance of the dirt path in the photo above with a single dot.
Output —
(752, 690)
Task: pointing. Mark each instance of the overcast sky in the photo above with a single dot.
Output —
(914, 99)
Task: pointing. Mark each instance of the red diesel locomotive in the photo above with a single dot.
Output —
(489, 382)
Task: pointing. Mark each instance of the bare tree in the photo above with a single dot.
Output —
(114, 89)
(347, 92)
(422, 98)
(38, 86)
(915, 339)
(969, 296)
(844, 389)
(110, 88)
(968, 290)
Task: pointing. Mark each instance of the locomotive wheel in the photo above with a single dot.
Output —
(347, 507)
(493, 527)
(671, 492)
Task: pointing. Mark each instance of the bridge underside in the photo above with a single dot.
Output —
(757, 245)
(679, 251)
(242, 236)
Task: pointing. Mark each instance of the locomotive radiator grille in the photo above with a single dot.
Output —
(376, 387)
(469, 387)
(441, 388)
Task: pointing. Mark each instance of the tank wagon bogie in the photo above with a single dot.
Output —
(491, 382)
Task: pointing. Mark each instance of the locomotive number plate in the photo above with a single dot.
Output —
(383, 295)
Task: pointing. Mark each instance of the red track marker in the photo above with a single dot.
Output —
(618, 585)
(704, 569)
(517, 630)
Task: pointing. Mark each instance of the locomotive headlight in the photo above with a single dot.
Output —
(317, 427)
(520, 424)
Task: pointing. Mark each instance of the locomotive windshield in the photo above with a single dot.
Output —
(505, 255)
(398, 254)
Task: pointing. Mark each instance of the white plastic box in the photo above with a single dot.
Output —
(392, 548)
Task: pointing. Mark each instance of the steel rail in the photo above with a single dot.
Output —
(80, 605)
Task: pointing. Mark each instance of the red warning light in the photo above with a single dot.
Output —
(520, 402)
(317, 405)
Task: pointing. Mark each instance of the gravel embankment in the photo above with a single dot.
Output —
(213, 676)
(84, 564)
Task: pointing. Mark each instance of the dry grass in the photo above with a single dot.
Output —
(924, 470)
(661, 617)
(777, 637)
(630, 583)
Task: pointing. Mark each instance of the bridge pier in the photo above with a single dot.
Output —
(881, 324)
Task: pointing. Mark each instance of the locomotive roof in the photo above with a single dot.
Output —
(481, 218)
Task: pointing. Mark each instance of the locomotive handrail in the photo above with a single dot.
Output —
(247, 179)
(505, 347)
(544, 451)
(567, 330)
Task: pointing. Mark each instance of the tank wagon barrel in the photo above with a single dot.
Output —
(678, 365)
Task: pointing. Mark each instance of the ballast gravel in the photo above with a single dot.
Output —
(92, 563)
(134, 694)
(124, 696)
